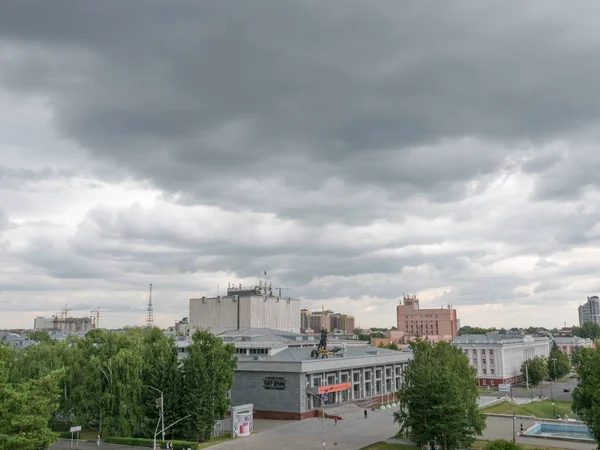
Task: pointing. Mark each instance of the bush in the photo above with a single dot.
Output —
(501, 444)
(140, 442)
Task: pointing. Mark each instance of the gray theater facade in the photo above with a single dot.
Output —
(279, 374)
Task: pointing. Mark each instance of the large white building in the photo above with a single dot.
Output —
(244, 308)
(498, 357)
(66, 324)
(590, 311)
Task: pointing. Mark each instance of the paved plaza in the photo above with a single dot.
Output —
(352, 433)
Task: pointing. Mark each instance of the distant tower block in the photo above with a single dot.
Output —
(150, 314)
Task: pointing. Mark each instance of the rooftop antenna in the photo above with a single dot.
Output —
(150, 315)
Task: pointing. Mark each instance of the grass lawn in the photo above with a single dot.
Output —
(542, 410)
(215, 441)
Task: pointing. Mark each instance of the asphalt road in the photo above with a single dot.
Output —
(557, 390)
(65, 444)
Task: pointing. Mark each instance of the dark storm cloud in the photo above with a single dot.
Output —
(197, 97)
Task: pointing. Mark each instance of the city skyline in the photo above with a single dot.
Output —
(394, 148)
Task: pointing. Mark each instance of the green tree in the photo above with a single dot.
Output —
(25, 411)
(586, 396)
(536, 370)
(161, 371)
(559, 364)
(392, 346)
(438, 399)
(207, 378)
(40, 336)
(575, 355)
(589, 330)
(501, 444)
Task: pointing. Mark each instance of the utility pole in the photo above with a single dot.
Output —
(161, 418)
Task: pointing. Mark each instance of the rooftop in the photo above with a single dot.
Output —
(496, 338)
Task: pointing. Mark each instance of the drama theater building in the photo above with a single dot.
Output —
(498, 357)
(277, 374)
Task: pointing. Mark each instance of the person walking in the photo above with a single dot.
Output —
(335, 419)
(98, 440)
(365, 413)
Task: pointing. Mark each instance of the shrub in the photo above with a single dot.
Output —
(140, 442)
(501, 444)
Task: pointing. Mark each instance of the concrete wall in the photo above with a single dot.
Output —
(249, 387)
(219, 314)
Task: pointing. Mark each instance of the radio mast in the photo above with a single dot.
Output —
(150, 315)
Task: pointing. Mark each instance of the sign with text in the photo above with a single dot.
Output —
(334, 388)
(274, 383)
(74, 429)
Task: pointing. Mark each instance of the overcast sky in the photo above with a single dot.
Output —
(353, 150)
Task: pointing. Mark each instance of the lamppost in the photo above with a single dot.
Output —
(161, 417)
(514, 434)
(551, 393)
(322, 399)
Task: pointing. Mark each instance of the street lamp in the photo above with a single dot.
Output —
(551, 393)
(161, 417)
(322, 399)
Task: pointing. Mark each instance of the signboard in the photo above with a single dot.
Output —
(504, 387)
(274, 383)
(74, 429)
(334, 388)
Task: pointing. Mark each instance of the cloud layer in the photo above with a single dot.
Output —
(353, 151)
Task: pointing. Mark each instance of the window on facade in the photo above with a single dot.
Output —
(378, 373)
(484, 382)
(483, 361)
(356, 376)
(484, 371)
(491, 361)
(474, 351)
(491, 352)
(483, 351)
(344, 377)
(316, 382)
(492, 371)
(492, 382)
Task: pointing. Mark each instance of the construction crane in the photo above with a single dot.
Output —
(96, 316)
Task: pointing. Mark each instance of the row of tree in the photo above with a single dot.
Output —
(586, 396)
(589, 330)
(105, 381)
(537, 369)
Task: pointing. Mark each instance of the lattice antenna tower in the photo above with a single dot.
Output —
(150, 314)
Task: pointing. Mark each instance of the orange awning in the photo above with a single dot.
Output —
(334, 388)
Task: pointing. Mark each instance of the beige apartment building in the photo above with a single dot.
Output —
(328, 320)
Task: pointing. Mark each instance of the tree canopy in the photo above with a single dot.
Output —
(536, 370)
(108, 381)
(559, 363)
(438, 398)
(589, 330)
(586, 396)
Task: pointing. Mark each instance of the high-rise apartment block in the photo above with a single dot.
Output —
(413, 321)
(590, 311)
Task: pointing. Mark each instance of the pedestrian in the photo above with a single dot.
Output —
(365, 413)
(98, 440)
(335, 419)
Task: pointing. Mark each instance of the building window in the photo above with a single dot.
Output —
(491, 361)
(491, 352)
(483, 361)
(492, 371)
(492, 382)
(356, 376)
(484, 382)
(378, 373)
(483, 351)
(484, 372)
(344, 378)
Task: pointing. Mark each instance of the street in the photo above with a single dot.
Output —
(65, 444)
(519, 391)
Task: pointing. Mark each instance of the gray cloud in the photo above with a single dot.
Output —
(432, 147)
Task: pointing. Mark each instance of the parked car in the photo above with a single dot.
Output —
(567, 390)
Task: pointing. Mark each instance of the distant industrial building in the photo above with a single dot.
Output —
(435, 323)
(182, 328)
(590, 311)
(243, 308)
(316, 321)
(498, 358)
(64, 324)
